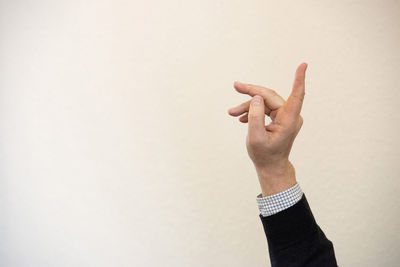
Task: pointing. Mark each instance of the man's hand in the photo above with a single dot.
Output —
(269, 145)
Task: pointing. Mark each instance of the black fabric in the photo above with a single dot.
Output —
(295, 239)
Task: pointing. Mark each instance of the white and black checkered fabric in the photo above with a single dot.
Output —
(273, 204)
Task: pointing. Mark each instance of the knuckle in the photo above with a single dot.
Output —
(300, 123)
(273, 92)
(253, 116)
(301, 95)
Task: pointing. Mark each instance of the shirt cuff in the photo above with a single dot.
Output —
(270, 205)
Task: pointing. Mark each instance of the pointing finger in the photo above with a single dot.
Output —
(272, 99)
(242, 108)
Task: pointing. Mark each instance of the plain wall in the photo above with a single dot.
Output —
(116, 148)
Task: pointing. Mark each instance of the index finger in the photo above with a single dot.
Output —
(271, 98)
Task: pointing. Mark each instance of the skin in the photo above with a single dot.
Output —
(269, 145)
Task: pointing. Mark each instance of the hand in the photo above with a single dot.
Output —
(269, 145)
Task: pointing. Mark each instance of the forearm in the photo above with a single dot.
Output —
(277, 177)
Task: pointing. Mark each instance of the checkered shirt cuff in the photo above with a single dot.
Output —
(270, 205)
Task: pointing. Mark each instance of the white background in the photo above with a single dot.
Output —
(116, 148)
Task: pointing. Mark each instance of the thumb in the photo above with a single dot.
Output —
(256, 118)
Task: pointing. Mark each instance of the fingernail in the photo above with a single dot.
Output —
(257, 100)
(238, 83)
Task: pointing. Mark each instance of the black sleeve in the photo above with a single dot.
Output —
(295, 239)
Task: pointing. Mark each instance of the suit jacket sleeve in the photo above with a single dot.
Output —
(295, 239)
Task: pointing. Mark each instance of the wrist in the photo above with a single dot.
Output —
(277, 178)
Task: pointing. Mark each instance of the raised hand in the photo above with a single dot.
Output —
(269, 145)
